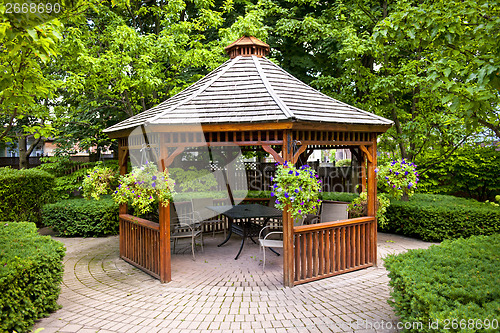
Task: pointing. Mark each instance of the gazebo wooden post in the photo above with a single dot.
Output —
(288, 280)
(165, 259)
(122, 165)
(372, 193)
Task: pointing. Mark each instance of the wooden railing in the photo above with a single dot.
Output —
(140, 243)
(140, 238)
(326, 249)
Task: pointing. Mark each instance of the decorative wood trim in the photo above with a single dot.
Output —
(273, 153)
(297, 154)
(167, 161)
(367, 153)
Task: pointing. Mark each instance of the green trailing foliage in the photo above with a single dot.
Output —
(297, 189)
(438, 217)
(80, 217)
(23, 194)
(31, 271)
(455, 283)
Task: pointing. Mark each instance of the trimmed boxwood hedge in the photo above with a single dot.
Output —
(434, 217)
(456, 282)
(31, 271)
(23, 194)
(81, 217)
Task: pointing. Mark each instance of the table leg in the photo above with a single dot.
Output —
(270, 248)
(228, 234)
(241, 247)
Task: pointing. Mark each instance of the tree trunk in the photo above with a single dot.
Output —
(23, 152)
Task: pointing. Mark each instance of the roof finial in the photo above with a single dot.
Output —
(247, 46)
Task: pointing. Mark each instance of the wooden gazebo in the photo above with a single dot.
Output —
(251, 102)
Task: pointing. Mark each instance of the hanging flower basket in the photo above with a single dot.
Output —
(298, 188)
(144, 186)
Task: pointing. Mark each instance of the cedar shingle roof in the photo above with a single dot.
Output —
(246, 90)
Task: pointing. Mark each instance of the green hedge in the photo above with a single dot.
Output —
(31, 272)
(23, 194)
(81, 217)
(458, 280)
(438, 217)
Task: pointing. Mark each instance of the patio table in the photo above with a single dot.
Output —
(246, 213)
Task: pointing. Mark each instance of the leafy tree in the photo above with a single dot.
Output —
(141, 53)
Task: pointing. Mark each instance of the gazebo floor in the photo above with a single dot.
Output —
(215, 293)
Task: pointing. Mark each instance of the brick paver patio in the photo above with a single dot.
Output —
(102, 293)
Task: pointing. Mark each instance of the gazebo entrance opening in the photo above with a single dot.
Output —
(250, 103)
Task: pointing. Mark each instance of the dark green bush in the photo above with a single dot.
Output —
(31, 272)
(81, 217)
(439, 217)
(23, 193)
(458, 280)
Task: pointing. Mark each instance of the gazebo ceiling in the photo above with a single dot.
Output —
(250, 89)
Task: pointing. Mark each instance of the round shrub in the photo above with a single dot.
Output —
(23, 194)
(31, 271)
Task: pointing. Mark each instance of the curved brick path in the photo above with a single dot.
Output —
(215, 293)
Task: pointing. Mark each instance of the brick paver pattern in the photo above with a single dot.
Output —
(102, 293)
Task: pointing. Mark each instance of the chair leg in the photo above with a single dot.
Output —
(192, 247)
(264, 257)
(201, 235)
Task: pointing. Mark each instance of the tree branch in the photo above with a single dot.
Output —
(445, 157)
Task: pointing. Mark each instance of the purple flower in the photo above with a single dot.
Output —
(116, 192)
(277, 201)
(290, 172)
(286, 195)
(320, 181)
(376, 170)
(386, 177)
(154, 184)
(397, 173)
(393, 186)
(296, 191)
(300, 211)
(302, 203)
(153, 178)
(410, 185)
(318, 200)
(297, 173)
(406, 173)
(272, 194)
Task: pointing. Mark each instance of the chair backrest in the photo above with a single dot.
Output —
(333, 212)
(200, 208)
